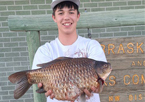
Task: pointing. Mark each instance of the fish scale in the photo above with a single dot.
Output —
(66, 77)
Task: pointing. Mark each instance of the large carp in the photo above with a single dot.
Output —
(66, 77)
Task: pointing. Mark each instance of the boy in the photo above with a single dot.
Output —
(68, 43)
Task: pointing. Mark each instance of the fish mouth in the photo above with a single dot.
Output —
(110, 67)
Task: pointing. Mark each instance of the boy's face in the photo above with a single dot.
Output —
(66, 19)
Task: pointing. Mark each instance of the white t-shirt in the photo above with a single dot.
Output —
(82, 47)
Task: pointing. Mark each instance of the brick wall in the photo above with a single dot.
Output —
(13, 46)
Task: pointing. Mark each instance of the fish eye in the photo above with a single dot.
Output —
(105, 65)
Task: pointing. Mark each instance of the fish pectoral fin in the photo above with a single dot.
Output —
(40, 90)
(101, 82)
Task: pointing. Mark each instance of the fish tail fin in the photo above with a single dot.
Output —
(22, 83)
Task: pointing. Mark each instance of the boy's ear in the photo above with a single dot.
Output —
(53, 17)
(78, 17)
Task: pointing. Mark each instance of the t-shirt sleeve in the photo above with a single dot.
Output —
(95, 51)
(42, 55)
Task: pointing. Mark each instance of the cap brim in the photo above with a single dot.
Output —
(53, 4)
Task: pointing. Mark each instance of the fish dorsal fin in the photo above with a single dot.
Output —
(53, 61)
(63, 58)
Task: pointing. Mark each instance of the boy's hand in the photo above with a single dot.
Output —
(93, 89)
(87, 92)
